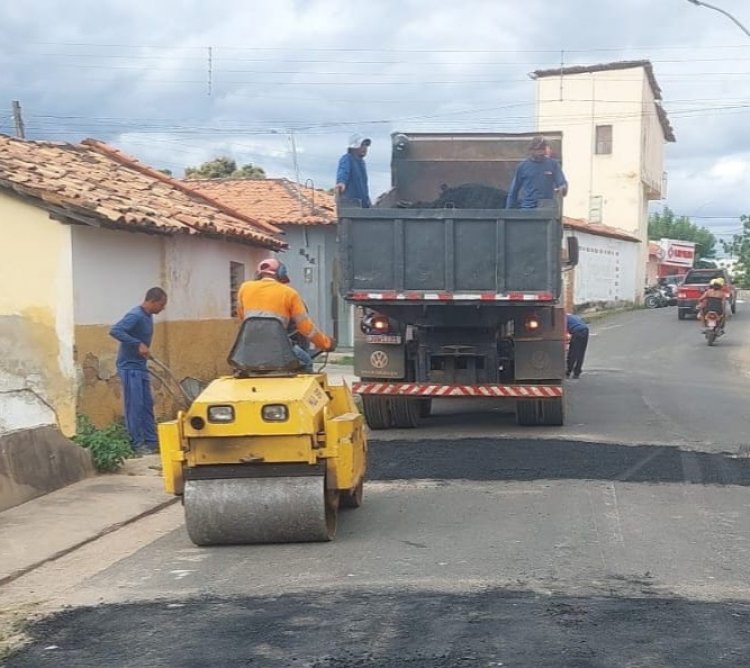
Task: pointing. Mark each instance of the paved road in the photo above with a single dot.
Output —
(624, 544)
(649, 378)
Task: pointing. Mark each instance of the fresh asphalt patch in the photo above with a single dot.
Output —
(527, 460)
(495, 627)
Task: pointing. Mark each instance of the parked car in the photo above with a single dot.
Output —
(695, 283)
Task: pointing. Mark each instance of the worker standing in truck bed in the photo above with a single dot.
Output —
(537, 178)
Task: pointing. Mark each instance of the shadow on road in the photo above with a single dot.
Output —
(524, 459)
(346, 629)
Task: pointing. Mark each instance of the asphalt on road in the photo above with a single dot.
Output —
(605, 548)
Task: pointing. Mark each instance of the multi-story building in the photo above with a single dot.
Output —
(614, 131)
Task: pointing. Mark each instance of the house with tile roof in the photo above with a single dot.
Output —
(85, 230)
(307, 218)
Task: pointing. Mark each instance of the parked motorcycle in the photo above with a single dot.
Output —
(712, 327)
(655, 297)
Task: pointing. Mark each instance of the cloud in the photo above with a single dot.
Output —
(138, 75)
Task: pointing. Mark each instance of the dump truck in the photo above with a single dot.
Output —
(456, 296)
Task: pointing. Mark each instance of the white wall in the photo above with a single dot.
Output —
(113, 269)
(606, 270)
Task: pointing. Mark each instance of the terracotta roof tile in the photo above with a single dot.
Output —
(597, 229)
(93, 181)
(273, 201)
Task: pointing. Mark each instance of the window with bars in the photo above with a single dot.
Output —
(236, 278)
(603, 139)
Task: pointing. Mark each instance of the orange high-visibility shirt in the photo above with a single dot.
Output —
(267, 298)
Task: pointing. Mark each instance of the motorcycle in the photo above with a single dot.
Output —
(655, 297)
(712, 327)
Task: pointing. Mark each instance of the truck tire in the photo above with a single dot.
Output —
(405, 412)
(376, 412)
(553, 412)
(734, 307)
(540, 412)
(425, 408)
(680, 314)
(527, 414)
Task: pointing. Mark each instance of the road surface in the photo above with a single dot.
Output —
(621, 539)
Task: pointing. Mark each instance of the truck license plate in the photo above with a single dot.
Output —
(392, 339)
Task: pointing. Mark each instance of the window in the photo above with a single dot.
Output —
(236, 278)
(603, 139)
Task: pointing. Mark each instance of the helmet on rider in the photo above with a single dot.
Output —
(717, 283)
(272, 268)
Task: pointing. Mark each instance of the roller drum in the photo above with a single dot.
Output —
(236, 511)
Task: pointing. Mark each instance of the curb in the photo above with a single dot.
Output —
(61, 553)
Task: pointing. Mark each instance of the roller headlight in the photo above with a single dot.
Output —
(275, 413)
(221, 414)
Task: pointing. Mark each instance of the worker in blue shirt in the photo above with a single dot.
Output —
(537, 178)
(579, 341)
(351, 175)
(135, 332)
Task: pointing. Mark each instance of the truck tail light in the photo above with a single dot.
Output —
(375, 323)
(532, 323)
(682, 294)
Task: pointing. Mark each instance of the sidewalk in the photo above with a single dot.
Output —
(53, 525)
(50, 526)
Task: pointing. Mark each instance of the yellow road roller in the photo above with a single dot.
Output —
(268, 454)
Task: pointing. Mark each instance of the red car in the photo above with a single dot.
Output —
(695, 284)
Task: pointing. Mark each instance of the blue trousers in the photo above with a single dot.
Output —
(139, 407)
(304, 357)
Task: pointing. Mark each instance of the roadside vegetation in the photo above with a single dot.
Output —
(109, 447)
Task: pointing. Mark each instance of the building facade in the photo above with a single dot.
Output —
(614, 132)
(307, 218)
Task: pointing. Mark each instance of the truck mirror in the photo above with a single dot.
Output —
(572, 251)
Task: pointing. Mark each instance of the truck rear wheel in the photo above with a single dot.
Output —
(376, 412)
(405, 412)
(540, 412)
(425, 407)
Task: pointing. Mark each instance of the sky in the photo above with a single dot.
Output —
(282, 84)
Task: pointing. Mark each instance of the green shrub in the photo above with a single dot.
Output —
(109, 447)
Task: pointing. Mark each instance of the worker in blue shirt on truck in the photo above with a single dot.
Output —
(351, 175)
(134, 332)
(537, 179)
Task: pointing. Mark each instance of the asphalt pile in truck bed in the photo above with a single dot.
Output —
(467, 196)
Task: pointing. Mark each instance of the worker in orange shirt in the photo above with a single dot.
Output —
(271, 296)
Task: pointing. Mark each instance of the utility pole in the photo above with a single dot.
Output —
(700, 3)
(18, 120)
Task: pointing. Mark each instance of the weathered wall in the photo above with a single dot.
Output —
(37, 461)
(37, 371)
(192, 335)
(191, 349)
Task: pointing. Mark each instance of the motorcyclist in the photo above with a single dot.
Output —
(270, 296)
(713, 299)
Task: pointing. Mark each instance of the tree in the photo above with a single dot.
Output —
(668, 226)
(224, 168)
(739, 247)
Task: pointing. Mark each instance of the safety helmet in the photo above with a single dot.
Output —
(274, 269)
